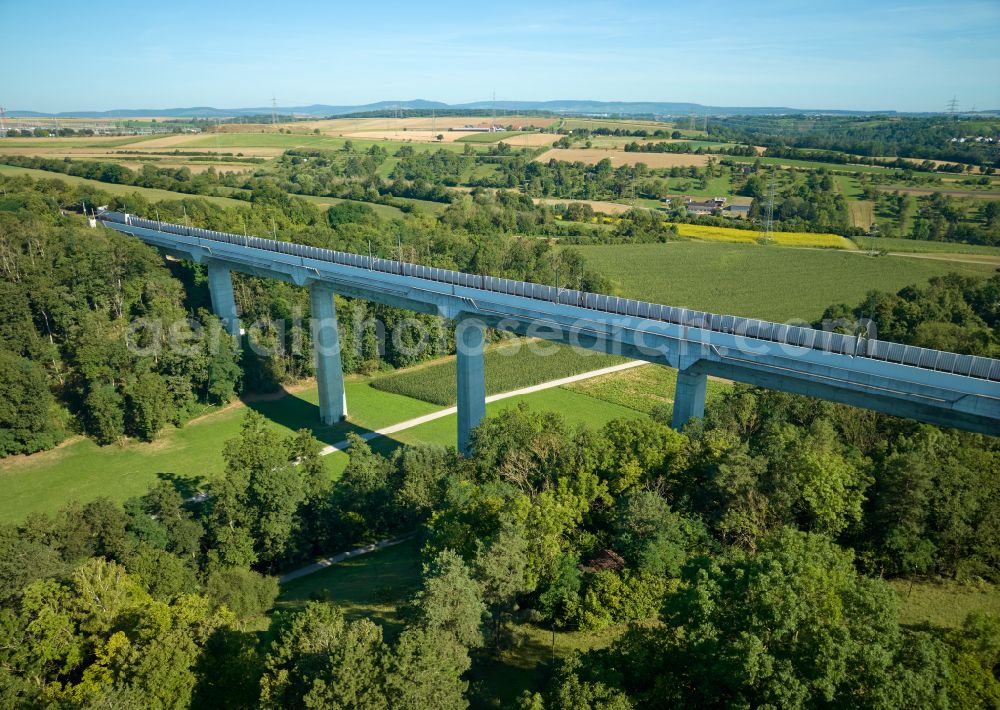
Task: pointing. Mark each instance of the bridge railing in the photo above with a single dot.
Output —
(811, 338)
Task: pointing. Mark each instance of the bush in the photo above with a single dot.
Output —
(245, 592)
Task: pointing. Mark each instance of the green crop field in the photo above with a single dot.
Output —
(149, 193)
(81, 470)
(755, 281)
(924, 247)
(507, 368)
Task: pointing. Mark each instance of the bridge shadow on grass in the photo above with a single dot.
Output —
(294, 413)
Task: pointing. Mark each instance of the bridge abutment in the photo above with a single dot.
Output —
(689, 397)
(326, 346)
(470, 335)
(220, 284)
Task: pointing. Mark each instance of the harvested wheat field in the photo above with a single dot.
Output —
(592, 156)
(531, 140)
(421, 136)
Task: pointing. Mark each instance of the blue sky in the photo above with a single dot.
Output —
(62, 56)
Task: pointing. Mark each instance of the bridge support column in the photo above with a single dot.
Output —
(471, 373)
(689, 398)
(220, 284)
(326, 345)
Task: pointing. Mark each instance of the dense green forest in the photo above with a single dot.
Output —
(747, 553)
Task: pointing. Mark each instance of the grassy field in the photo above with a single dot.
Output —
(760, 282)
(149, 193)
(507, 368)
(81, 470)
(746, 236)
(924, 247)
(944, 603)
(640, 388)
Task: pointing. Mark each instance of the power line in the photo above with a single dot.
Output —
(769, 215)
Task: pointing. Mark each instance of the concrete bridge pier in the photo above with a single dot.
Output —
(326, 345)
(470, 335)
(220, 284)
(689, 398)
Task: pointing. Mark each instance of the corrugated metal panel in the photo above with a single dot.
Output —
(946, 362)
(911, 355)
(929, 358)
(963, 364)
(995, 371)
(980, 367)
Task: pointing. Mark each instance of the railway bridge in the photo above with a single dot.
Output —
(943, 388)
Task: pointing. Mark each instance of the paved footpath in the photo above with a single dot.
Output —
(334, 559)
(410, 423)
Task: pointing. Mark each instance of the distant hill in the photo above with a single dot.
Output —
(572, 107)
